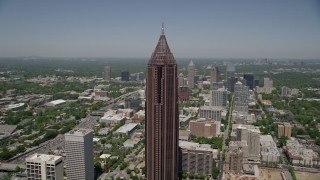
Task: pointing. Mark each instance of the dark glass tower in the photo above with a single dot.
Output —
(250, 80)
(162, 121)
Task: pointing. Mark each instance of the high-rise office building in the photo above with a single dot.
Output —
(241, 97)
(267, 83)
(230, 77)
(184, 93)
(235, 161)
(162, 118)
(107, 73)
(252, 137)
(256, 82)
(44, 166)
(285, 91)
(250, 80)
(218, 97)
(215, 73)
(195, 158)
(181, 80)
(79, 154)
(191, 74)
(125, 76)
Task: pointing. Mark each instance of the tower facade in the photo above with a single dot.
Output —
(250, 80)
(191, 73)
(162, 120)
(214, 75)
(219, 97)
(107, 73)
(230, 77)
(79, 154)
(44, 166)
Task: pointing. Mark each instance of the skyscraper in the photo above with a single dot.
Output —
(44, 166)
(267, 82)
(79, 154)
(241, 97)
(230, 77)
(162, 120)
(214, 75)
(191, 73)
(234, 161)
(125, 76)
(107, 73)
(250, 80)
(218, 97)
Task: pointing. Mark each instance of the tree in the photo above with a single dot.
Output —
(97, 167)
(17, 169)
(283, 141)
(215, 169)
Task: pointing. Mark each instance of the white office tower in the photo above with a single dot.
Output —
(181, 80)
(79, 154)
(267, 82)
(241, 97)
(219, 97)
(191, 74)
(107, 73)
(44, 166)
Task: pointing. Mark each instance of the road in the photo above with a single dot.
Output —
(225, 137)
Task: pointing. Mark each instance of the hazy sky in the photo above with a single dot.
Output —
(197, 28)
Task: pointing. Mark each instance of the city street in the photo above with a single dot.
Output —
(225, 136)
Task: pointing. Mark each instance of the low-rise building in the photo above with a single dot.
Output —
(15, 107)
(205, 128)
(299, 155)
(184, 135)
(6, 130)
(127, 128)
(184, 120)
(126, 112)
(103, 131)
(55, 103)
(130, 143)
(113, 119)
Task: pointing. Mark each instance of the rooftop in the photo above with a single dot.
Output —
(7, 129)
(79, 132)
(126, 128)
(43, 157)
(195, 146)
(57, 102)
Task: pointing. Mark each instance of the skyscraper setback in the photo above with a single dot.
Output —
(162, 114)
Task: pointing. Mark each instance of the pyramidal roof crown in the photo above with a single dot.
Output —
(162, 53)
(191, 63)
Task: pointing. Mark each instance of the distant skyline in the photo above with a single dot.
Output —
(195, 29)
